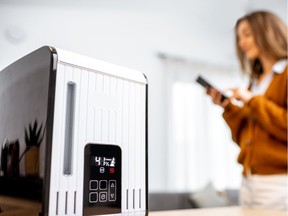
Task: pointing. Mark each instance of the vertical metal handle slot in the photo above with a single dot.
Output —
(66, 202)
(133, 198)
(74, 202)
(127, 199)
(69, 128)
(57, 200)
(139, 198)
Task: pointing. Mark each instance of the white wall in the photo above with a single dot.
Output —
(129, 34)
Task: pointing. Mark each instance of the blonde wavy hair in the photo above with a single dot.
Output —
(270, 34)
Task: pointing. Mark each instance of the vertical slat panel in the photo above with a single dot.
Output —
(137, 143)
(82, 128)
(105, 125)
(119, 117)
(112, 127)
(113, 111)
(105, 111)
(131, 142)
(90, 109)
(99, 83)
(98, 124)
(143, 146)
(125, 149)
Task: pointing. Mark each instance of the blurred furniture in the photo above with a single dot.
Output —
(222, 211)
(172, 201)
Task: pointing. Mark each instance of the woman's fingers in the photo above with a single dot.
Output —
(216, 97)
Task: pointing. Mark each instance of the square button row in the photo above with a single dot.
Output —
(93, 185)
(93, 197)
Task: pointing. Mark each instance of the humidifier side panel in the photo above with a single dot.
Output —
(116, 115)
(109, 110)
(133, 146)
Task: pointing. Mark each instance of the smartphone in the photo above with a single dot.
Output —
(206, 84)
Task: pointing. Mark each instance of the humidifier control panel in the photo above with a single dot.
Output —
(102, 179)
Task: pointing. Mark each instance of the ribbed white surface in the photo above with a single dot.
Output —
(101, 66)
(110, 109)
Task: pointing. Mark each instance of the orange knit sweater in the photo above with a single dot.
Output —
(260, 129)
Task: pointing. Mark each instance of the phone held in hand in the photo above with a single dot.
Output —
(206, 84)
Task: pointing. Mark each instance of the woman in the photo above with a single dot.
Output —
(259, 127)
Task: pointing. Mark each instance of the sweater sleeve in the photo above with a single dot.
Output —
(272, 117)
(236, 117)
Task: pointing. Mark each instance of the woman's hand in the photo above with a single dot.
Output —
(241, 94)
(216, 97)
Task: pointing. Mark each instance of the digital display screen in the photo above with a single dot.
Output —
(102, 179)
(103, 161)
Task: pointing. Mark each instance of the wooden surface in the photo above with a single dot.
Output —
(18, 207)
(225, 211)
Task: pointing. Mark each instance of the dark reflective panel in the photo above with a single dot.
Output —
(24, 87)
